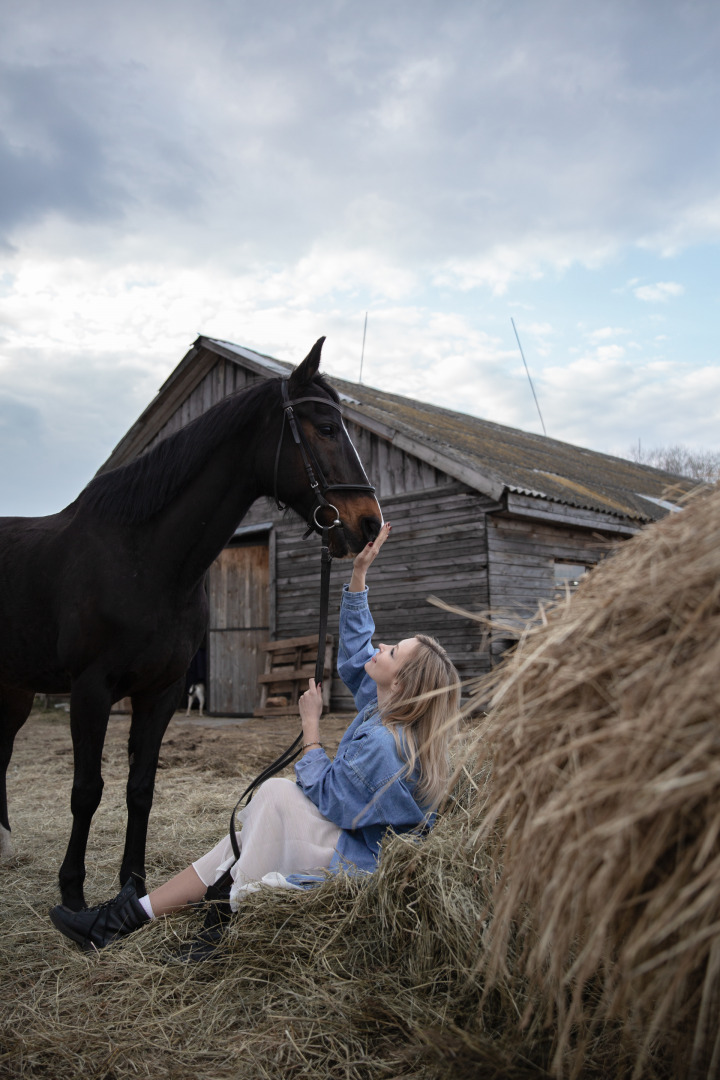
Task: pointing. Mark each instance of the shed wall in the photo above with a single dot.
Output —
(521, 557)
(393, 471)
(223, 379)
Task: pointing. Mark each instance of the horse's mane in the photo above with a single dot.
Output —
(136, 491)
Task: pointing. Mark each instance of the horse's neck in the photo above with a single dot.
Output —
(197, 524)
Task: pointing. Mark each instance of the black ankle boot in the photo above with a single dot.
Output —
(99, 926)
(205, 945)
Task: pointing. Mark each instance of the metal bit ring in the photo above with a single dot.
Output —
(329, 506)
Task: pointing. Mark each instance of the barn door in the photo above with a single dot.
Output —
(238, 588)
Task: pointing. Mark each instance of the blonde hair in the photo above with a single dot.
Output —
(422, 715)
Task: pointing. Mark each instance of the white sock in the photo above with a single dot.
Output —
(146, 906)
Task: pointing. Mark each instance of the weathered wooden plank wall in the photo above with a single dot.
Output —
(223, 379)
(392, 470)
(521, 557)
(239, 625)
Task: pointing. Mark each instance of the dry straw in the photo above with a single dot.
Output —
(604, 811)
(562, 918)
(359, 981)
(355, 980)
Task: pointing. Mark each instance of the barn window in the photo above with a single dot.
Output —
(567, 576)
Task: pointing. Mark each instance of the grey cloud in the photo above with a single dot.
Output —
(51, 159)
(548, 118)
(432, 130)
(25, 483)
(74, 141)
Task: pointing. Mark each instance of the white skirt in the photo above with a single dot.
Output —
(283, 833)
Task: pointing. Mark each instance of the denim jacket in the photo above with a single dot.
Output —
(362, 789)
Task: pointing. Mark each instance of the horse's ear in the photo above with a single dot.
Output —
(304, 372)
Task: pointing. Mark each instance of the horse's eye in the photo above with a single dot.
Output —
(327, 429)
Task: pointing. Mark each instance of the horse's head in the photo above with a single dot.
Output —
(317, 468)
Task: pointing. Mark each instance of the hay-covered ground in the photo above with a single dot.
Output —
(378, 980)
(345, 981)
(65, 1015)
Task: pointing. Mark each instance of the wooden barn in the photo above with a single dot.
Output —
(484, 517)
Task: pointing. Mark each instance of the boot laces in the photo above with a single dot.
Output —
(101, 908)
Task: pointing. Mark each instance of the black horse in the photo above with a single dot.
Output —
(106, 599)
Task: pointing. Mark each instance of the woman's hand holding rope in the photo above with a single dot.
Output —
(311, 706)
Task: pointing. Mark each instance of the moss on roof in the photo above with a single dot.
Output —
(521, 462)
(525, 463)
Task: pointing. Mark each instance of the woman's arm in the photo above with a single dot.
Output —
(363, 786)
(311, 703)
(357, 627)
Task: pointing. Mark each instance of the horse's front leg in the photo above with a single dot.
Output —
(150, 718)
(90, 702)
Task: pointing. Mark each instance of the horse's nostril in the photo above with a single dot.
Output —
(370, 528)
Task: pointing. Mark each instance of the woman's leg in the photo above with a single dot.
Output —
(179, 892)
(282, 831)
(191, 884)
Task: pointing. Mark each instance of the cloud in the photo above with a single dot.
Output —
(659, 293)
(605, 332)
(480, 143)
(38, 468)
(267, 177)
(620, 397)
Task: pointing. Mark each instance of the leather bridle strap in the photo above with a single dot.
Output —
(293, 751)
(325, 564)
(319, 486)
(316, 478)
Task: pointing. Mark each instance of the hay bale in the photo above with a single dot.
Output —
(604, 810)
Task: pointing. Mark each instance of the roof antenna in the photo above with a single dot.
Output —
(528, 375)
(362, 353)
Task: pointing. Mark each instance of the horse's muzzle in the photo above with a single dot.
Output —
(347, 542)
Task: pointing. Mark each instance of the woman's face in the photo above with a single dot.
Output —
(384, 666)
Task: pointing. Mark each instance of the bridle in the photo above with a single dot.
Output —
(320, 487)
(313, 469)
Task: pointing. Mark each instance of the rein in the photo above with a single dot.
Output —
(319, 486)
(292, 752)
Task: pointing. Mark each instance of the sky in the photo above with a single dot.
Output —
(270, 173)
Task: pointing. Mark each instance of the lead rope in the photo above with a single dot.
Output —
(292, 751)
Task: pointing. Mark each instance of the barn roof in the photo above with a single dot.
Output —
(496, 459)
(499, 461)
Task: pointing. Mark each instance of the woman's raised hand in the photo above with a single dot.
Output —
(311, 706)
(366, 557)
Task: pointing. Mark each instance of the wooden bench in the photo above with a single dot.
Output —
(288, 666)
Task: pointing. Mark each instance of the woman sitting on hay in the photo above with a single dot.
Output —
(390, 771)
